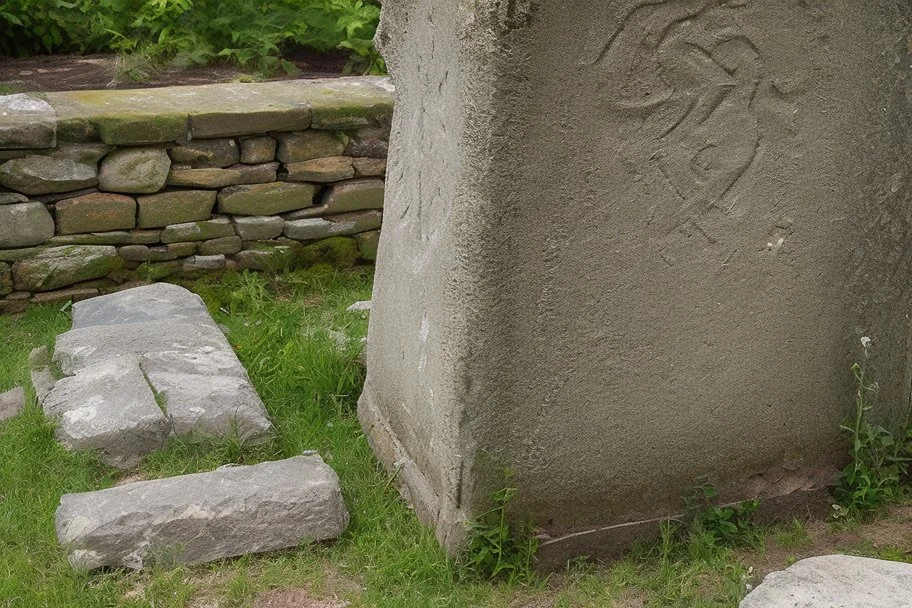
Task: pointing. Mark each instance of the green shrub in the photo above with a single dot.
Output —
(499, 550)
(250, 33)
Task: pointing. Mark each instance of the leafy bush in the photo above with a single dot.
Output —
(729, 525)
(251, 33)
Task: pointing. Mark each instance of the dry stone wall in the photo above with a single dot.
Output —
(102, 189)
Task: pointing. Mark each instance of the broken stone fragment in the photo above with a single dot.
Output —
(206, 154)
(12, 403)
(835, 580)
(193, 519)
(158, 302)
(110, 408)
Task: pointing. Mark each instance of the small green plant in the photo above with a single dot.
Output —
(879, 466)
(731, 525)
(499, 549)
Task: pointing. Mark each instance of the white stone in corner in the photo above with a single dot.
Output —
(11, 403)
(204, 517)
(357, 306)
(836, 581)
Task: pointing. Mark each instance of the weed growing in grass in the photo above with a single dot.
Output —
(731, 525)
(498, 549)
(880, 458)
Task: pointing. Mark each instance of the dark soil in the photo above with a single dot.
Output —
(89, 72)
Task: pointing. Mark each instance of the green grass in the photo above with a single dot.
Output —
(279, 327)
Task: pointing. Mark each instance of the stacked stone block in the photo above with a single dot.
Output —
(99, 190)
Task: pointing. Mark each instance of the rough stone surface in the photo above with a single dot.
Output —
(158, 302)
(644, 327)
(143, 116)
(42, 377)
(36, 174)
(255, 150)
(9, 198)
(135, 171)
(360, 306)
(368, 242)
(110, 408)
(97, 212)
(25, 225)
(262, 228)
(204, 517)
(331, 169)
(307, 145)
(835, 580)
(343, 225)
(185, 356)
(115, 237)
(205, 262)
(159, 210)
(369, 167)
(355, 196)
(269, 257)
(12, 403)
(85, 153)
(265, 199)
(6, 279)
(135, 253)
(206, 154)
(58, 267)
(369, 143)
(198, 231)
(76, 294)
(221, 178)
(26, 122)
(228, 245)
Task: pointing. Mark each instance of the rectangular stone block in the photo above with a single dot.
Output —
(340, 225)
(221, 178)
(265, 199)
(99, 212)
(159, 210)
(193, 519)
(649, 237)
(116, 237)
(198, 231)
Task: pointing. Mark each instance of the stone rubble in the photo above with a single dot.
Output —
(140, 365)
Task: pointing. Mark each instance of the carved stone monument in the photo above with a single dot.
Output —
(632, 247)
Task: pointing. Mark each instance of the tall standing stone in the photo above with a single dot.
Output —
(632, 244)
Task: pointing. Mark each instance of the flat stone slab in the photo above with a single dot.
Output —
(110, 408)
(26, 122)
(156, 302)
(836, 581)
(200, 518)
(179, 114)
(203, 388)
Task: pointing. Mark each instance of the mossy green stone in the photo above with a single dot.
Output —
(62, 266)
(339, 252)
(167, 208)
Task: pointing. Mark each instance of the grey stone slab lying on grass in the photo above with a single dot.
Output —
(156, 302)
(204, 517)
(836, 580)
(359, 306)
(210, 405)
(184, 355)
(110, 408)
(11, 403)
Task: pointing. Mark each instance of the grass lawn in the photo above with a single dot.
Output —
(310, 385)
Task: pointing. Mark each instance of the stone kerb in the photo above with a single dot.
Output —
(100, 189)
